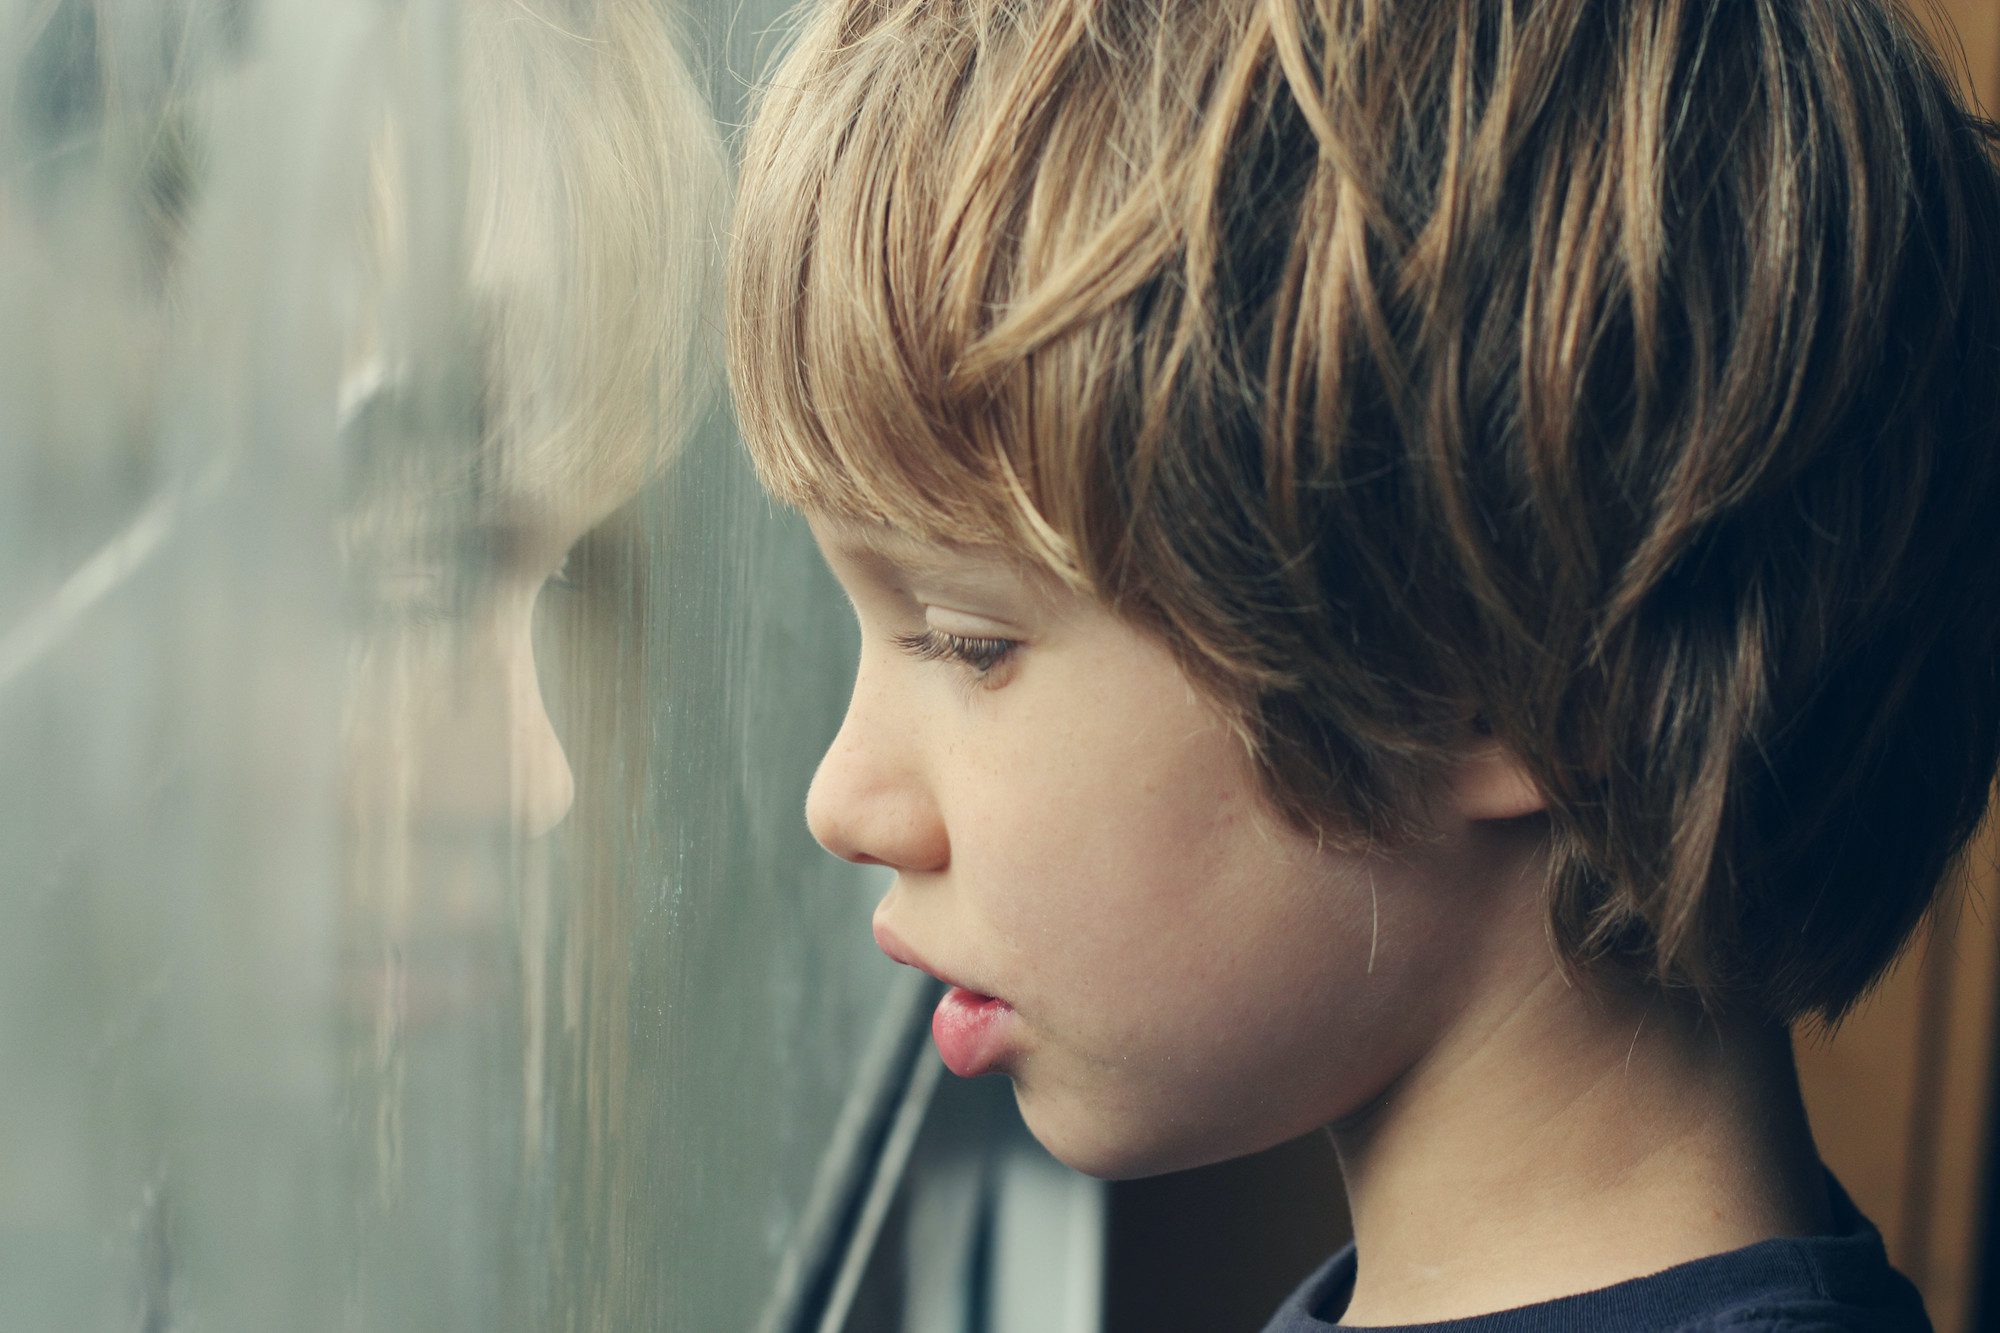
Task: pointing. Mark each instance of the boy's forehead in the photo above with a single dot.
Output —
(900, 556)
(875, 543)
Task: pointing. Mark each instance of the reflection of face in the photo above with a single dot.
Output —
(449, 729)
(451, 763)
(1076, 832)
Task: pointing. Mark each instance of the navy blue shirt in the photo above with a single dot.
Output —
(1789, 1284)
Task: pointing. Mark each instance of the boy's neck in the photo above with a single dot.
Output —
(1556, 1140)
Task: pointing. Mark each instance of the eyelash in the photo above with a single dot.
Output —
(982, 655)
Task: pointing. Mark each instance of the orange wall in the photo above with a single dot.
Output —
(1898, 1097)
(1978, 25)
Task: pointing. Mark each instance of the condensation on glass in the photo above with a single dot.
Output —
(406, 700)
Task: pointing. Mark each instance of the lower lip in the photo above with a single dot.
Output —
(970, 1031)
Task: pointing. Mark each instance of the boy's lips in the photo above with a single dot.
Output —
(974, 1031)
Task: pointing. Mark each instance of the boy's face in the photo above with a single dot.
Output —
(1077, 832)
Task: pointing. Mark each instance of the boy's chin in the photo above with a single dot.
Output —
(1126, 1147)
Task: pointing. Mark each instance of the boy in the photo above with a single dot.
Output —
(1424, 568)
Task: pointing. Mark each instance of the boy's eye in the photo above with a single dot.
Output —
(980, 654)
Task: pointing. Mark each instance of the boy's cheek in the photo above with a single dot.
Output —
(1140, 1065)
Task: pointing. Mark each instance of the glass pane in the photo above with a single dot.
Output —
(406, 698)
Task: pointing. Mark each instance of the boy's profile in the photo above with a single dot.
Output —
(1424, 568)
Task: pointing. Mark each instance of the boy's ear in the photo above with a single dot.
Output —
(1488, 782)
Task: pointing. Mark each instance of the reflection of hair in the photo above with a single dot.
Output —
(589, 181)
(1620, 378)
(551, 174)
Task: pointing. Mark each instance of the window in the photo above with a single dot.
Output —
(406, 697)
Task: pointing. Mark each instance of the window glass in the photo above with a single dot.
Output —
(406, 698)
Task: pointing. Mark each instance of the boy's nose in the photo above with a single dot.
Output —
(869, 803)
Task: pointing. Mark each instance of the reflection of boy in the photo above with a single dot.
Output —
(483, 440)
(528, 352)
(1555, 442)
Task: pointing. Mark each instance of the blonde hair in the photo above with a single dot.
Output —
(588, 180)
(1423, 371)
